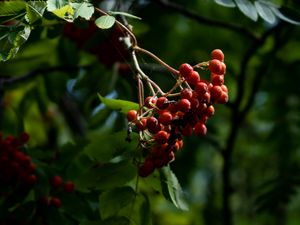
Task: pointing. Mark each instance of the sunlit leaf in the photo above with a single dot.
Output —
(171, 188)
(105, 22)
(56, 4)
(247, 8)
(265, 12)
(83, 9)
(11, 38)
(226, 3)
(116, 104)
(10, 8)
(66, 12)
(112, 201)
(35, 11)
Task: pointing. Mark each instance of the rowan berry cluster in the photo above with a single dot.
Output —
(16, 167)
(57, 184)
(164, 120)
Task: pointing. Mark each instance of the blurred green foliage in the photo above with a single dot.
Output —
(253, 140)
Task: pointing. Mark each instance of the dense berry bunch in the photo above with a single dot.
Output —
(15, 166)
(164, 120)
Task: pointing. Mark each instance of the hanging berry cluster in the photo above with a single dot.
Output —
(15, 166)
(164, 119)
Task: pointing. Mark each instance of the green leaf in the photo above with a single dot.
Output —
(56, 4)
(145, 211)
(265, 12)
(171, 188)
(101, 148)
(112, 201)
(247, 8)
(117, 220)
(84, 10)
(116, 104)
(12, 8)
(282, 16)
(11, 38)
(66, 13)
(125, 14)
(35, 11)
(105, 22)
(226, 3)
(107, 175)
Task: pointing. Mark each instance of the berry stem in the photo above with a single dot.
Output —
(134, 40)
(171, 69)
(140, 72)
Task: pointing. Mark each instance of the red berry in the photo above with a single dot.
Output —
(205, 97)
(69, 186)
(131, 115)
(223, 98)
(165, 118)
(150, 101)
(147, 168)
(193, 78)
(185, 69)
(161, 137)
(194, 103)
(201, 88)
(217, 67)
(210, 111)
(183, 105)
(186, 93)
(217, 54)
(200, 129)
(216, 92)
(153, 125)
(31, 179)
(217, 79)
(187, 130)
(224, 88)
(56, 181)
(162, 103)
(56, 202)
(141, 124)
(24, 137)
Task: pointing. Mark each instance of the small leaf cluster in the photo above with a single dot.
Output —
(269, 11)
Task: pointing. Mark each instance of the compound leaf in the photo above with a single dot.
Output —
(265, 12)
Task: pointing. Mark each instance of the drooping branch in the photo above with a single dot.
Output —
(241, 30)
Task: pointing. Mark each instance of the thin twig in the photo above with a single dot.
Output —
(168, 67)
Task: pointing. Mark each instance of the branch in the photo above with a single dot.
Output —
(6, 82)
(241, 30)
